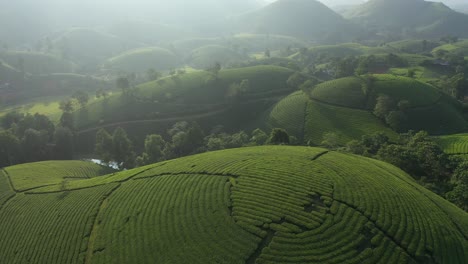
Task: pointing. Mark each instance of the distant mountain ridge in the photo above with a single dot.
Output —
(308, 19)
(419, 17)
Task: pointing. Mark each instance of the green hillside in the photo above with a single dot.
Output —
(143, 59)
(454, 144)
(460, 48)
(89, 47)
(240, 43)
(343, 92)
(306, 19)
(33, 175)
(206, 56)
(346, 49)
(196, 95)
(413, 45)
(429, 109)
(311, 120)
(412, 17)
(37, 63)
(148, 32)
(251, 205)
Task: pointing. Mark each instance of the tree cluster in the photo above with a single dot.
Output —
(418, 155)
(30, 138)
(183, 139)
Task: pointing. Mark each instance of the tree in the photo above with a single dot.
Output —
(459, 194)
(296, 80)
(103, 147)
(214, 70)
(11, 118)
(396, 120)
(34, 145)
(67, 120)
(308, 86)
(122, 83)
(331, 140)
(383, 106)
(9, 149)
(186, 139)
(66, 106)
(259, 137)
(267, 53)
(152, 75)
(81, 97)
(237, 90)
(154, 146)
(64, 145)
(122, 149)
(279, 136)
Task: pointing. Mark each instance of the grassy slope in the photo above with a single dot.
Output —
(402, 88)
(344, 92)
(460, 47)
(37, 63)
(413, 45)
(87, 46)
(143, 59)
(265, 204)
(310, 120)
(33, 175)
(430, 109)
(206, 56)
(454, 144)
(163, 98)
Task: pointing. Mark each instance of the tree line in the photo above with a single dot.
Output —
(182, 139)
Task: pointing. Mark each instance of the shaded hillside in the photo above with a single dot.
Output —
(89, 47)
(37, 62)
(344, 107)
(143, 59)
(411, 17)
(307, 19)
(251, 205)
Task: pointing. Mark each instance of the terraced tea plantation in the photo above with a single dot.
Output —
(311, 120)
(454, 144)
(250, 205)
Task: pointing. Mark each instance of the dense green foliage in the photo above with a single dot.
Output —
(421, 157)
(238, 206)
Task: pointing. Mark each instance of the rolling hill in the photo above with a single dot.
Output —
(89, 47)
(143, 59)
(454, 144)
(206, 56)
(306, 19)
(415, 17)
(37, 63)
(430, 110)
(251, 205)
(197, 95)
(341, 107)
(310, 120)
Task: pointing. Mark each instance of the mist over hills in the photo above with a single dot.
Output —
(306, 19)
(417, 17)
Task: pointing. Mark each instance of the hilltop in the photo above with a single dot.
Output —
(307, 19)
(344, 107)
(143, 59)
(250, 205)
(412, 17)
